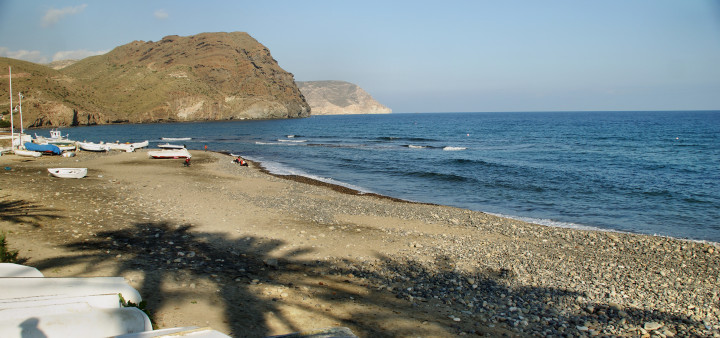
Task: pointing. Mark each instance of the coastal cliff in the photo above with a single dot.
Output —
(339, 98)
(209, 76)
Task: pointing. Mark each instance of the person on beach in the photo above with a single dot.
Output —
(240, 161)
(187, 162)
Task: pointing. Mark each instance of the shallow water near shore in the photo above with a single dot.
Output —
(644, 172)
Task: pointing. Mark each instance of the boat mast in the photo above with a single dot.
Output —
(20, 142)
(12, 126)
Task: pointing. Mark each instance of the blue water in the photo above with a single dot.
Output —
(644, 172)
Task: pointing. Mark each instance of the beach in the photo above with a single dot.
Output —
(252, 254)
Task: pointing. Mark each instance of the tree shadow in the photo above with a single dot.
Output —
(21, 211)
(484, 302)
(490, 298)
(164, 250)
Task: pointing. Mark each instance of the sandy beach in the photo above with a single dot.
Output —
(252, 255)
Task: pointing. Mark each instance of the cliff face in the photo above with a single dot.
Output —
(209, 76)
(339, 98)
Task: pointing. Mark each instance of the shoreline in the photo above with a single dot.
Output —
(247, 252)
(335, 187)
(580, 227)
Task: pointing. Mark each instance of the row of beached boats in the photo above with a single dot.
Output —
(102, 146)
(58, 144)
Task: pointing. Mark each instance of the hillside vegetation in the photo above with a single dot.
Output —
(209, 76)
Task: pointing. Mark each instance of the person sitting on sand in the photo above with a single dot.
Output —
(187, 162)
(240, 161)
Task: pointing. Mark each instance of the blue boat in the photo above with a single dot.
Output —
(43, 148)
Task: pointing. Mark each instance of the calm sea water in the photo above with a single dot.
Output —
(644, 172)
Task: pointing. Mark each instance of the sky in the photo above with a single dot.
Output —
(426, 56)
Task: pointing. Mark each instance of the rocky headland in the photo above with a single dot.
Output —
(339, 98)
(209, 76)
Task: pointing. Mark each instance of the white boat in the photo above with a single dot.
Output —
(56, 138)
(67, 147)
(68, 172)
(17, 270)
(127, 147)
(64, 146)
(171, 146)
(142, 144)
(90, 146)
(176, 138)
(27, 153)
(170, 153)
(69, 307)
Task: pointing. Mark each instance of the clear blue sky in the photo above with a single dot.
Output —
(426, 56)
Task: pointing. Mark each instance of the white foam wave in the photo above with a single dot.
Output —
(449, 148)
(282, 169)
(551, 223)
(291, 141)
(278, 143)
(411, 146)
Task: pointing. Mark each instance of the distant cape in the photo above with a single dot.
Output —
(339, 98)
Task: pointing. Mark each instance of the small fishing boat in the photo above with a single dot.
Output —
(171, 146)
(170, 153)
(27, 153)
(43, 148)
(90, 146)
(68, 172)
(127, 147)
(63, 145)
(56, 138)
(143, 144)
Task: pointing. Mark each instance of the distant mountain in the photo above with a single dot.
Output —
(209, 76)
(339, 98)
(61, 64)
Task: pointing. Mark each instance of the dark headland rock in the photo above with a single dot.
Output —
(209, 76)
(339, 98)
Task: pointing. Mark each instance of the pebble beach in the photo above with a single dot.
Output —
(253, 254)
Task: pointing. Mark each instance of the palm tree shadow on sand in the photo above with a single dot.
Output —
(21, 211)
(163, 251)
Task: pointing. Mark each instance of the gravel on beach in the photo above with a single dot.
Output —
(466, 272)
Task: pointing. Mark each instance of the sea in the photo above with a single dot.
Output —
(655, 173)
